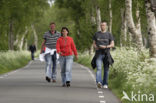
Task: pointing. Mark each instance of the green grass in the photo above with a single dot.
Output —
(132, 71)
(12, 60)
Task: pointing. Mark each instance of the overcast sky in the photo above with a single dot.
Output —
(51, 2)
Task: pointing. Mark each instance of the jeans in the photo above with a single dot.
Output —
(32, 55)
(51, 65)
(99, 62)
(66, 68)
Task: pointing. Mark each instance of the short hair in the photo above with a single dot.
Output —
(65, 29)
(104, 22)
(52, 23)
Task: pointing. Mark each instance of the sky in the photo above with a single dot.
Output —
(51, 2)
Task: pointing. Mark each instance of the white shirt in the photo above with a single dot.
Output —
(51, 51)
(47, 51)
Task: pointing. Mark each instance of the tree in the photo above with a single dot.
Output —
(16, 15)
(136, 32)
(123, 36)
(110, 15)
(151, 21)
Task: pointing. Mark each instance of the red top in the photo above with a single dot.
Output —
(66, 46)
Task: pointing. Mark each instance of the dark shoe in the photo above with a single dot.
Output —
(54, 81)
(48, 79)
(68, 83)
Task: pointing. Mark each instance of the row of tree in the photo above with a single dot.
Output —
(132, 22)
(17, 19)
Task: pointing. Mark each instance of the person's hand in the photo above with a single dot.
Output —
(96, 47)
(42, 51)
(103, 46)
(60, 53)
(76, 57)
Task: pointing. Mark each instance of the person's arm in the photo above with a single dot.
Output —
(94, 45)
(111, 45)
(74, 49)
(58, 50)
(42, 47)
(108, 46)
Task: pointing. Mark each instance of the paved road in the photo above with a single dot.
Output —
(28, 85)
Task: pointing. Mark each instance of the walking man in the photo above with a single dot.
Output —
(32, 49)
(49, 46)
(102, 42)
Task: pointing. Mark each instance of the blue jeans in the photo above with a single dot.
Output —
(66, 68)
(99, 62)
(51, 66)
(32, 55)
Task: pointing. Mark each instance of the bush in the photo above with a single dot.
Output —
(12, 60)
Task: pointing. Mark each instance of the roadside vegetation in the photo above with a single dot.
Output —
(133, 71)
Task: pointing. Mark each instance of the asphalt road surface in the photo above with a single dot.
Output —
(28, 85)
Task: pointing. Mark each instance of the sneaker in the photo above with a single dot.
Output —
(105, 86)
(68, 83)
(48, 79)
(99, 85)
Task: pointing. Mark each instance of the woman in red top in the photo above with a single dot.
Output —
(66, 48)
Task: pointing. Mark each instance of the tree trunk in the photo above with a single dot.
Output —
(22, 42)
(138, 24)
(35, 36)
(123, 36)
(22, 39)
(17, 40)
(26, 45)
(110, 15)
(151, 22)
(11, 36)
(91, 49)
(145, 42)
(98, 18)
(93, 21)
(130, 39)
(93, 16)
(136, 34)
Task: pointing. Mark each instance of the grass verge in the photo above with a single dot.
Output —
(12, 60)
(133, 72)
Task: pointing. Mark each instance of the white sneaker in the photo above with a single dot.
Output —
(105, 86)
(99, 85)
